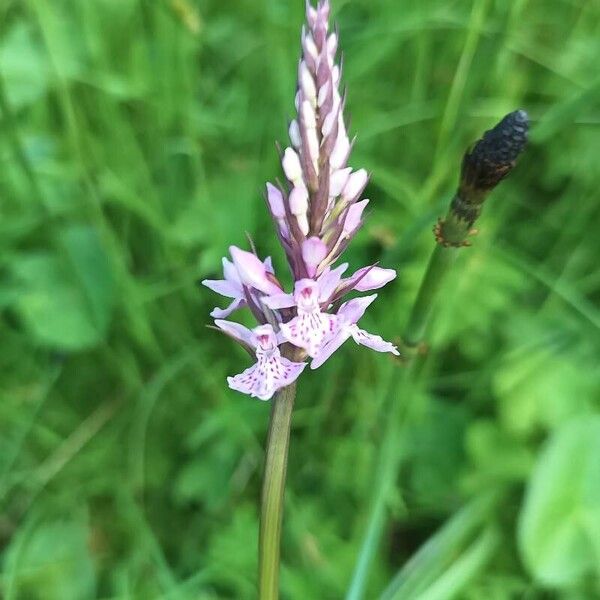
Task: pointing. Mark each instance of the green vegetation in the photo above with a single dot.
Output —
(135, 138)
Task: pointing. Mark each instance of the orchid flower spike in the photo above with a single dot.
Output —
(316, 212)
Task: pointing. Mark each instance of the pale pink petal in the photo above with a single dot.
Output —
(291, 165)
(230, 272)
(311, 14)
(372, 278)
(313, 147)
(332, 45)
(252, 271)
(323, 12)
(314, 251)
(356, 184)
(264, 378)
(307, 83)
(329, 280)
(298, 200)
(309, 46)
(375, 342)
(275, 199)
(354, 216)
(268, 263)
(238, 331)
(328, 123)
(309, 330)
(294, 132)
(338, 181)
(340, 151)
(327, 349)
(223, 287)
(289, 372)
(309, 117)
(222, 313)
(350, 312)
(323, 93)
(280, 300)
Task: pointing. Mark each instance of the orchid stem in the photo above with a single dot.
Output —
(271, 514)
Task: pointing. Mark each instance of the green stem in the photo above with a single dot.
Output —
(271, 515)
(439, 262)
(453, 231)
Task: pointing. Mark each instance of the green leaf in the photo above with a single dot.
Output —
(23, 66)
(65, 299)
(51, 562)
(559, 523)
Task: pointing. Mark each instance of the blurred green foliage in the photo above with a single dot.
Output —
(135, 137)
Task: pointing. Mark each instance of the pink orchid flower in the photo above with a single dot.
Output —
(347, 317)
(271, 370)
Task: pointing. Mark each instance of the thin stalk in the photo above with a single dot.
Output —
(271, 515)
(483, 167)
(453, 231)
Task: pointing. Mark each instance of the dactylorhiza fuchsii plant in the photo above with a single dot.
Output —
(316, 213)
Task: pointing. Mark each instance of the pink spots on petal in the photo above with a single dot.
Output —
(270, 373)
(309, 330)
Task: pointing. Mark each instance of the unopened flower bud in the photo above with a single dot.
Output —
(294, 132)
(493, 157)
(307, 83)
(354, 217)
(275, 199)
(355, 185)
(291, 165)
(338, 181)
(309, 46)
(314, 252)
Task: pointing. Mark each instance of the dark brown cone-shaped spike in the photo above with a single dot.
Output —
(493, 157)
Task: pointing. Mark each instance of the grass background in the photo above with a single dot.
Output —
(135, 137)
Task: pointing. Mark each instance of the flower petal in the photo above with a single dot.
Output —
(372, 278)
(222, 313)
(350, 312)
(291, 165)
(223, 287)
(237, 331)
(314, 251)
(338, 181)
(264, 378)
(354, 217)
(327, 349)
(309, 330)
(268, 263)
(329, 280)
(252, 271)
(375, 342)
(355, 185)
(281, 300)
(230, 272)
(275, 199)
